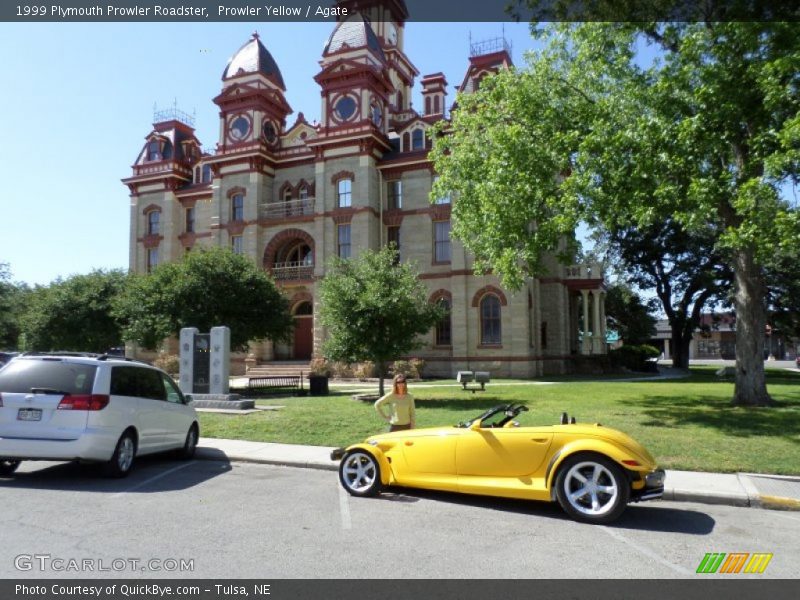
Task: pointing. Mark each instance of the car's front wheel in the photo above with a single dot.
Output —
(7, 467)
(592, 489)
(121, 461)
(360, 473)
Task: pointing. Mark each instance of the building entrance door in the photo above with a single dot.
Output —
(303, 332)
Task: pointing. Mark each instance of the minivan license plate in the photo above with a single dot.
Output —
(29, 414)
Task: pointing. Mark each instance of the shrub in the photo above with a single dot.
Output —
(635, 358)
(320, 366)
(170, 363)
(365, 370)
(417, 365)
(342, 370)
(410, 368)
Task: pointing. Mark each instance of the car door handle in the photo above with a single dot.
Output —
(540, 440)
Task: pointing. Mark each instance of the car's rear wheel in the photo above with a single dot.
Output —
(121, 461)
(7, 467)
(592, 488)
(190, 445)
(360, 473)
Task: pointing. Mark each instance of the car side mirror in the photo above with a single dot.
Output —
(188, 398)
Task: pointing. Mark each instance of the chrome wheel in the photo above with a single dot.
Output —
(360, 474)
(592, 488)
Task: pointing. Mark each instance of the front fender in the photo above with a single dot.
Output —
(377, 453)
(597, 446)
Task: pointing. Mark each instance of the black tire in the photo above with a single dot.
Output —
(360, 474)
(124, 456)
(592, 488)
(8, 466)
(190, 445)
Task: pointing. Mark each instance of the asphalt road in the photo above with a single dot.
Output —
(259, 521)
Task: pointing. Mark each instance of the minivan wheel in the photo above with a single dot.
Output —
(190, 445)
(121, 461)
(7, 467)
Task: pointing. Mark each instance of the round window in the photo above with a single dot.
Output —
(240, 127)
(345, 108)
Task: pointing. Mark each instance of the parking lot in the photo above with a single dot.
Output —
(230, 520)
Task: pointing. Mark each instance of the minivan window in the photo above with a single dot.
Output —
(137, 382)
(173, 393)
(150, 384)
(21, 375)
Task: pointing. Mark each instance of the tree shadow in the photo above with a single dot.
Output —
(782, 420)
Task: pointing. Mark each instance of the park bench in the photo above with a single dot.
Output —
(465, 377)
(274, 384)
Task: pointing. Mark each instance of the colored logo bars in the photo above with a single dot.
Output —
(736, 562)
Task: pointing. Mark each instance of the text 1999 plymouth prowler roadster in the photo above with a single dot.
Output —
(590, 470)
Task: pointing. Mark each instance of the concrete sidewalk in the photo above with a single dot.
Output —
(737, 489)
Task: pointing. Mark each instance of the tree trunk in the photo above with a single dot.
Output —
(680, 348)
(381, 366)
(751, 386)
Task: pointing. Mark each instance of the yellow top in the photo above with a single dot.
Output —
(402, 408)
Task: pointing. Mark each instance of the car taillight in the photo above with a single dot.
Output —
(1, 400)
(84, 402)
(631, 463)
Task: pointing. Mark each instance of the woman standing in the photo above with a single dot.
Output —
(401, 404)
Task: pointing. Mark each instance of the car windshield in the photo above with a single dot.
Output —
(496, 416)
(21, 376)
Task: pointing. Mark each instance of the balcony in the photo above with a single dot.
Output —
(291, 208)
(586, 271)
(292, 271)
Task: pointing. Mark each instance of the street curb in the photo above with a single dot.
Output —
(750, 489)
(263, 461)
(741, 500)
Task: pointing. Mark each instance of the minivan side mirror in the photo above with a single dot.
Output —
(188, 398)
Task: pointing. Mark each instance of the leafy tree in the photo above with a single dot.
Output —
(683, 268)
(208, 288)
(12, 301)
(706, 134)
(629, 315)
(74, 314)
(374, 309)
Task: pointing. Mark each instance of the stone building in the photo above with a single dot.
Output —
(290, 194)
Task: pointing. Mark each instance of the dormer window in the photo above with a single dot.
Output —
(206, 174)
(153, 151)
(418, 140)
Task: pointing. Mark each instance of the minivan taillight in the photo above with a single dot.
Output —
(84, 402)
(1, 400)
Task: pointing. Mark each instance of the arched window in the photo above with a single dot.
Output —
(206, 173)
(444, 327)
(153, 222)
(490, 320)
(237, 207)
(345, 193)
(436, 109)
(427, 105)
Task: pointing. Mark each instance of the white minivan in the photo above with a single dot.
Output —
(70, 406)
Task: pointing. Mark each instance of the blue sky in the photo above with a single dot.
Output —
(77, 102)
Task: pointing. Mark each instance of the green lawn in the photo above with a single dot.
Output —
(686, 423)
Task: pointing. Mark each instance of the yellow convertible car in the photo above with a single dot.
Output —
(590, 470)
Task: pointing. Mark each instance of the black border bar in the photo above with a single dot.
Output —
(32, 11)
